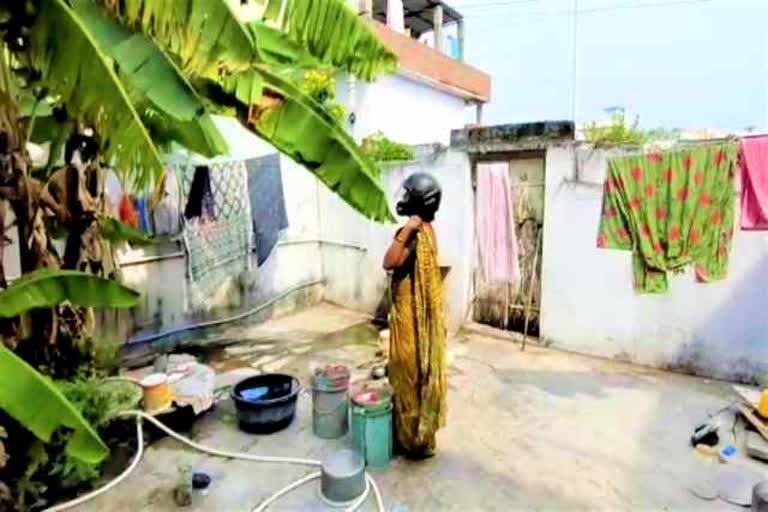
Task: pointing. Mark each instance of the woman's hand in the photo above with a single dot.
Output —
(398, 250)
(414, 223)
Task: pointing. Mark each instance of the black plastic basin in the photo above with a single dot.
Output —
(266, 403)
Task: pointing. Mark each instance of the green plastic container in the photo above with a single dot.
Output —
(371, 426)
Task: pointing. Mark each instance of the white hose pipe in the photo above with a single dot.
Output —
(98, 492)
(261, 507)
(141, 415)
(217, 452)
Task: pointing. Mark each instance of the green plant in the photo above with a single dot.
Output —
(46, 288)
(115, 231)
(37, 404)
(381, 149)
(618, 133)
(61, 416)
(320, 85)
(161, 84)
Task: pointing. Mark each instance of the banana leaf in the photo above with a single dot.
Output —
(211, 45)
(204, 36)
(306, 132)
(36, 403)
(48, 287)
(115, 231)
(335, 34)
(177, 111)
(75, 69)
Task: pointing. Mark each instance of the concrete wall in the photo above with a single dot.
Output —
(589, 305)
(327, 240)
(405, 110)
(353, 270)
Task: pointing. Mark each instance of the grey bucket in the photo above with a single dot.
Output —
(330, 402)
(342, 478)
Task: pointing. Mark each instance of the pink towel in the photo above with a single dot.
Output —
(495, 224)
(754, 183)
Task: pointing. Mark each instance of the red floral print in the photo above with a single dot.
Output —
(720, 157)
(655, 158)
(694, 236)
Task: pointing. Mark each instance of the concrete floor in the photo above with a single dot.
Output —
(533, 430)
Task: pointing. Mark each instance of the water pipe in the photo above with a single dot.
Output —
(211, 323)
(141, 416)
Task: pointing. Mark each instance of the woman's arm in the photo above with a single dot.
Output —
(398, 250)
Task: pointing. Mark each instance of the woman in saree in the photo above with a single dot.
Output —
(417, 362)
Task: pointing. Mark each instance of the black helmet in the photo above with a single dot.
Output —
(421, 196)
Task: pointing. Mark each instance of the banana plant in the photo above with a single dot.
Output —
(161, 69)
(38, 405)
(32, 399)
(46, 288)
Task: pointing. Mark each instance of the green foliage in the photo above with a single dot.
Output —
(381, 149)
(76, 70)
(338, 36)
(617, 133)
(169, 105)
(37, 404)
(48, 287)
(233, 65)
(115, 231)
(100, 402)
(320, 85)
(51, 471)
(305, 131)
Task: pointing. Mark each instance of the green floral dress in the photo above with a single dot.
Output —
(671, 209)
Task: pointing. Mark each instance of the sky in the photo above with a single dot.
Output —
(673, 63)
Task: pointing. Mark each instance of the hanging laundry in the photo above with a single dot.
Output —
(497, 239)
(753, 159)
(395, 16)
(671, 209)
(268, 213)
(113, 192)
(200, 197)
(128, 213)
(218, 245)
(142, 209)
(165, 206)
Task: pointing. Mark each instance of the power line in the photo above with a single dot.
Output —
(494, 7)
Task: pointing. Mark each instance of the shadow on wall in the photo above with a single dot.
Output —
(732, 343)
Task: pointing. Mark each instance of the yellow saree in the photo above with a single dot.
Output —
(417, 364)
